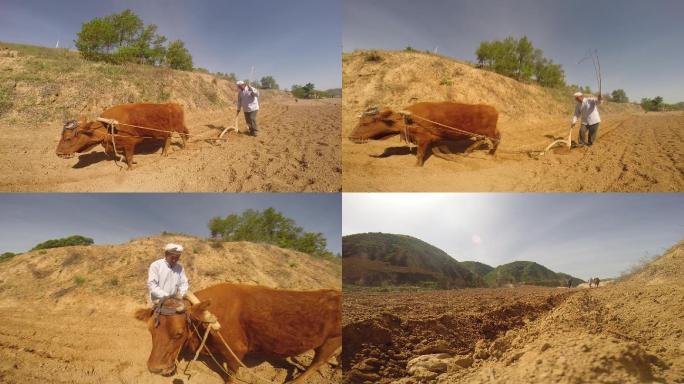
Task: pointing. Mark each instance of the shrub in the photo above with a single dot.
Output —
(6, 256)
(114, 281)
(64, 242)
(446, 82)
(79, 280)
(373, 56)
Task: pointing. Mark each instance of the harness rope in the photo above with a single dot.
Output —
(477, 135)
(230, 350)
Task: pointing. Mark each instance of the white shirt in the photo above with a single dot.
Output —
(588, 110)
(162, 280)
(248, 99)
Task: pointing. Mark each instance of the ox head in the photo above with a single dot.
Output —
(170, 328)
(375, 124)
(78, 136)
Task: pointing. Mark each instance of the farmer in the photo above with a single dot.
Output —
(166, 278)
(587, 109)
(248, 99)
(569, 283)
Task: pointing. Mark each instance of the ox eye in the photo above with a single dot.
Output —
(178, 335)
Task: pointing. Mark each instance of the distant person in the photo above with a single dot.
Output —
(596, 282)
(591, 280)
(248, 100)
(586, 109)
(166, 278)
(569, 283)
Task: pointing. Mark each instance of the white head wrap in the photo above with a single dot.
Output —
(240, 82)
(173, 248)
(577, 94)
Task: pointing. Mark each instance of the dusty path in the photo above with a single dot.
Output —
(634, 153)
(297, 151)
(100, 342)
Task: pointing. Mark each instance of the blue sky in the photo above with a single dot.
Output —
(582, 234)
(639, 42)
(28, 219)
(294, 41)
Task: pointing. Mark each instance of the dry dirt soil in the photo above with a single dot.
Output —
(382, 331)
(297, 150)
(634, 151)
(66, 314)
(629, 331)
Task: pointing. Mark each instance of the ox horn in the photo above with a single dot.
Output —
(180, 308)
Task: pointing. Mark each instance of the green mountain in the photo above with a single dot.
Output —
(374, 259)
(526, 272)
(480, 269)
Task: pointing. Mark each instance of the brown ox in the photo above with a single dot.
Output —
(253, 319)
(163, 119)
(477, 122)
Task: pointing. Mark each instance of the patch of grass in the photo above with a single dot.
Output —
(71, 259)
(292, 264)
(114, 281)
(79, 280)
(195, 250)
(216, 244)
(446, 82)
(42, 252)
(637, 267)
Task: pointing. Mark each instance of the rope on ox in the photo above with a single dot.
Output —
(225, 344)
(407, 115)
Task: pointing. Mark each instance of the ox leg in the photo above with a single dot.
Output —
(422, 153)
(167, 144)
(240, 351)
(184, 139)
(128, 153)
(493, 145)
(323, 354)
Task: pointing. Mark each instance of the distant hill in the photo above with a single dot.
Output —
(39, 84)
(121, 269)
(374, 259)
(377, 259)
(526, 272)
(480, 269)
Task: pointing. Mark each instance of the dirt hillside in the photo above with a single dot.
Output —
(67, 313)
(634, 151)
(629, 331)
(297, 149)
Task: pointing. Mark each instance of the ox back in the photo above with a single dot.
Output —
(275, 321)
(479, 119)
(165, 117)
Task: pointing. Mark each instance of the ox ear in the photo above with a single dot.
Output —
(143, 314)
(385, 113)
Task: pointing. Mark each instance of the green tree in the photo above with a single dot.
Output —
(178, 57)
(517, 58)
(96, 39)
(658, 103)
(619, 96)
(268, 82)
(127, 27)
(268, 226)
